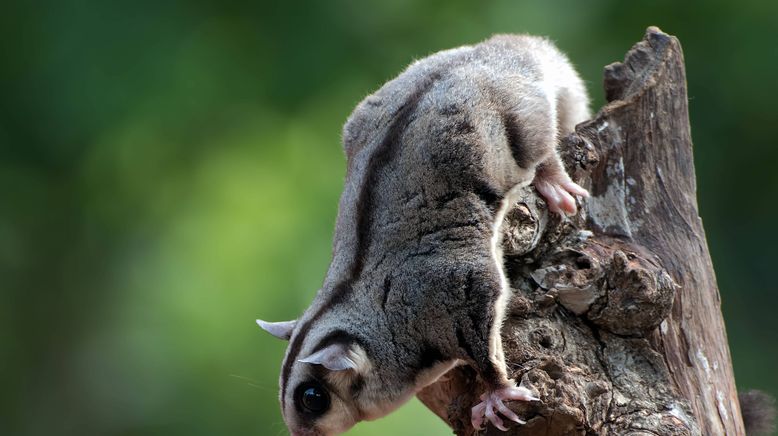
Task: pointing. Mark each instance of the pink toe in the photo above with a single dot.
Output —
(520, 393)
(550, 194)
(492, 406)
(566, 202)
(575, 189)
(477, 416)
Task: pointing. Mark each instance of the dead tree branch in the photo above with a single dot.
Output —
(616, 318)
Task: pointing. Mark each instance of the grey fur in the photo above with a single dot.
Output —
(758, 410)
(415, 285)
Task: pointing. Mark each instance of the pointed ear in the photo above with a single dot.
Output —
(335, 357)
(281, 330)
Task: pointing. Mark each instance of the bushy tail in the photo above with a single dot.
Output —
(758, 409)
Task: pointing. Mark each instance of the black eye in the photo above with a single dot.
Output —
(312, 398)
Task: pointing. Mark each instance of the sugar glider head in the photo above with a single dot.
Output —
(328, 382)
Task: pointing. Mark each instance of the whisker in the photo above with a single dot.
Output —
(281, 426)
(253, 383)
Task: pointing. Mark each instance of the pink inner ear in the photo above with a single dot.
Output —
(334, 357)
(281, 330)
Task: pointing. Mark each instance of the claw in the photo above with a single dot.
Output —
(494, 419)
(494, 400)
(508, 413)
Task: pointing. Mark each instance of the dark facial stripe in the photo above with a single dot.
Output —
(338, 295)
(339, 337)
(378, 159)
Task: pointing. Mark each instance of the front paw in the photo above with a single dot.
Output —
(492, 402)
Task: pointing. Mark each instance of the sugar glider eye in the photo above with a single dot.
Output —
(312, 399)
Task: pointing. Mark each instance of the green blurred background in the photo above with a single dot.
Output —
(169, 171)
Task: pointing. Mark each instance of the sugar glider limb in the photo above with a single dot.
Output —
(416, 285)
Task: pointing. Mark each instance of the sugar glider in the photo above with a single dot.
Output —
(416, 285)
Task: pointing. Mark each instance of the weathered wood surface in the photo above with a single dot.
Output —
(616, 319)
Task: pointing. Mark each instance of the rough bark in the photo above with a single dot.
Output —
(616, 319)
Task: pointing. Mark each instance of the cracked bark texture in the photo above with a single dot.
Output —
(615, 320)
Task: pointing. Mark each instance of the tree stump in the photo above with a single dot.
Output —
(615, 320)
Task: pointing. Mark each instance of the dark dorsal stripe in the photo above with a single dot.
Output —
(379, 158)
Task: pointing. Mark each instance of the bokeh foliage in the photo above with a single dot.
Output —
(169, 171)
